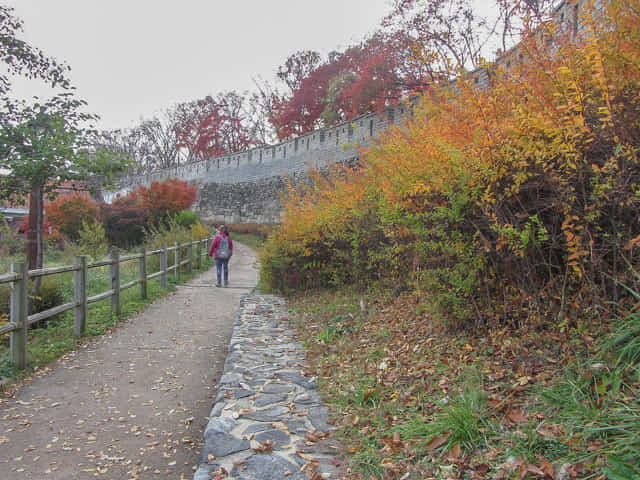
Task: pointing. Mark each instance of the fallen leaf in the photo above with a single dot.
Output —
(436, 442)
(455, 452)
(546, 467)
(516, 416)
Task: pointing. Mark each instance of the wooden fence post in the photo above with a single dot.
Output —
(80, 296)
(176, 262)
(19, 314)
(142, 273)
(199, 254)
(163, 267)
(190, 256)
(115, 282)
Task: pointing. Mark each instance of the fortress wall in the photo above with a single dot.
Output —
(246, 187)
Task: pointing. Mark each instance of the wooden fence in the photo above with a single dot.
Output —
(19, 320)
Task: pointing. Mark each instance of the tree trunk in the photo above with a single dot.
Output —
(34, 233)
(35, 244)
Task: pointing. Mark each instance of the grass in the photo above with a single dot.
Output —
(463, 421)
(413, 399)
(45, 345)
(530, 444)
(251, 240)
(251, 234)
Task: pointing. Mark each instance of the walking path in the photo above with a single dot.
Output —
(268, 422)
(134, 404)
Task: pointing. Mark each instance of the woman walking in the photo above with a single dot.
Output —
(222, 250)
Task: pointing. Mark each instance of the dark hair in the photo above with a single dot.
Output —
(224, 229)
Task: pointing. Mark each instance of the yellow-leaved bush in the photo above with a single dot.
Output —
(514, 202)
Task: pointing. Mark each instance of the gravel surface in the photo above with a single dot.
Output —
(132, 404)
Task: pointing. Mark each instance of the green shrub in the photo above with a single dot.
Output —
(52, 293)
(166, 235)
(186, 218)
(10, 243)
(92, 240)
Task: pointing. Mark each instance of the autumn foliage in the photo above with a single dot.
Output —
(364, 78)
(127, 218)
(212, 126)
(67, 212)
(518, 202)
(163, 199)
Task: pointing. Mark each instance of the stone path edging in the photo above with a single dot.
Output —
(268, 421)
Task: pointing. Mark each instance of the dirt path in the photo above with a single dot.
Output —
(132, 404)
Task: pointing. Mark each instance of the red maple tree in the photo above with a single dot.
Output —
(365, 77)
(212, 126)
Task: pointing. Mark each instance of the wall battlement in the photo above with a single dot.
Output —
(245, 186)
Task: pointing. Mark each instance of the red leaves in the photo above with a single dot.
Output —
(166, 198)
(67, 212)
(124, 220)
(363, 78)
(212, 126)
(126, 217)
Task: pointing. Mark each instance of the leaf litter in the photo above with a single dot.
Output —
(394, 373)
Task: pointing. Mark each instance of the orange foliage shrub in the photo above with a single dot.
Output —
(67, 212)
(163, 199)
(127, 218)
(516, 202)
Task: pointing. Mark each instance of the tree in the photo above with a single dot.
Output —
(127, 145)
(212, 126)
(365, 77)
(42, 146)
(301, 112)
(263, 110)
(20, 58)
(297, 67)
(159, 135)
(450, 35)
(150, 145)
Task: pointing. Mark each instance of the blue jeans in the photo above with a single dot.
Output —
(220, 264)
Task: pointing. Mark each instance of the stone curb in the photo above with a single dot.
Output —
(268, 421)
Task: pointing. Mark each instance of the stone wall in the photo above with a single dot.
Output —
(246, 187)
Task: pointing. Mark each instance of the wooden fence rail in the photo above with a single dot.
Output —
(19, 320)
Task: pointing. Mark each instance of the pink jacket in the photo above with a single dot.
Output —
(213, 250)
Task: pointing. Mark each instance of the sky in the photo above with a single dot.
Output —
(131, 59)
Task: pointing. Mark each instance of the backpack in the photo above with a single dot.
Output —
(224, 252)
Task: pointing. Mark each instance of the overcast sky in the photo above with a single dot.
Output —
(132, 58)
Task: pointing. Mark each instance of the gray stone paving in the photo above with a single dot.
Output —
(268, 421)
